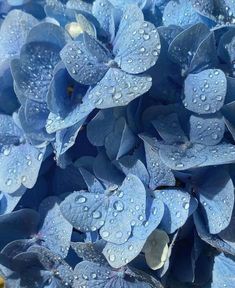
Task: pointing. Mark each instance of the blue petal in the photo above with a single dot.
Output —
(103, 11)
(19, 166)
(18, 225)
(85, 211)
(207, 130)
(56, 231)
(35, 113)
(184, 157)
(169, 128)
(155, 212)
(106, 171)
(118, 89)
(138, 48)
(66, 138)
(48, 32)
(205, 92)
(132, 165)
(90, 251)
(119, 255)
(93, 184)
(120, 218)
(56, 123)
(180, 13)
(19, 23)
(223, 272)
(32, 73)
(100, 126)
(183, 48)
(8, 202)
(212, 240)
(85, 59)
(179, 205)
(120, 141)
(160, 174)
(217, 197)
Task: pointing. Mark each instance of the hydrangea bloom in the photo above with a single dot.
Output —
(117, 152)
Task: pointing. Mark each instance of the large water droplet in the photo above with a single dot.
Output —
(80, 199)
(118, 205)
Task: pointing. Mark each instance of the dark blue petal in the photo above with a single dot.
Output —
(183, 48)
(169, 128)
(18, 225)
(120, 141)
(132, 165)
(216, 195)
(90, 251)
(93, 184)
(160, 174)
(205, 92)
(207, 130)
(66, 138)
(100, 126)
(8, 202)
(179, 205)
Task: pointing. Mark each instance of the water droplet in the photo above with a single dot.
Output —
(40, 155)
(23, 179)
(178, 214)
(117, 95)
(186, 205)
(96, 214)
(80, 199)
(112, 257)
(118, 205)
(105, 234)
(7, 151)
(9, 182)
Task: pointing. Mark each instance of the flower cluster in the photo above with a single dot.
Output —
(117, 143)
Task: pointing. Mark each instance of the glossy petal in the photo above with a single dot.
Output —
(205, 92)
(132, 51)
(180, 13)
(160, 174)
(56, 231)
(207, 129)
(131, 196)
(118, 89)
(85, 59)
(32, 73)
(179, 205)
(103, 11)
(20, 23)
(85, 211)
(217, 194)
(169, 128)
(19, 166)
